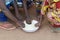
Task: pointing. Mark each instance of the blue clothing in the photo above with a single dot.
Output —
(3, 18)
(8, 3)
(19, 1)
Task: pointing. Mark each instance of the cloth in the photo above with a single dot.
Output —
(8, 1)
(53, 20)
(58, 5)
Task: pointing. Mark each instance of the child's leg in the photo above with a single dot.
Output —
(17, 11)
(28, 19)
(19, 17)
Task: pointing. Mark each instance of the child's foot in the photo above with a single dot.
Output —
(20, 24)
(7, 26)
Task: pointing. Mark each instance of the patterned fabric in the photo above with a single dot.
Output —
(45, 6)
(56, 17)
(53, 16)
(46, 3)
(58, 5)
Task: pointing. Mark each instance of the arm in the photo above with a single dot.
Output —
(16, 10)
(28, 19)
(7, 12)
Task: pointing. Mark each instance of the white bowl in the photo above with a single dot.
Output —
(30, 27)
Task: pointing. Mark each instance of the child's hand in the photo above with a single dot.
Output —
(20, 24)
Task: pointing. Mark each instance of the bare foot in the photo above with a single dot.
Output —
(20, 24)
